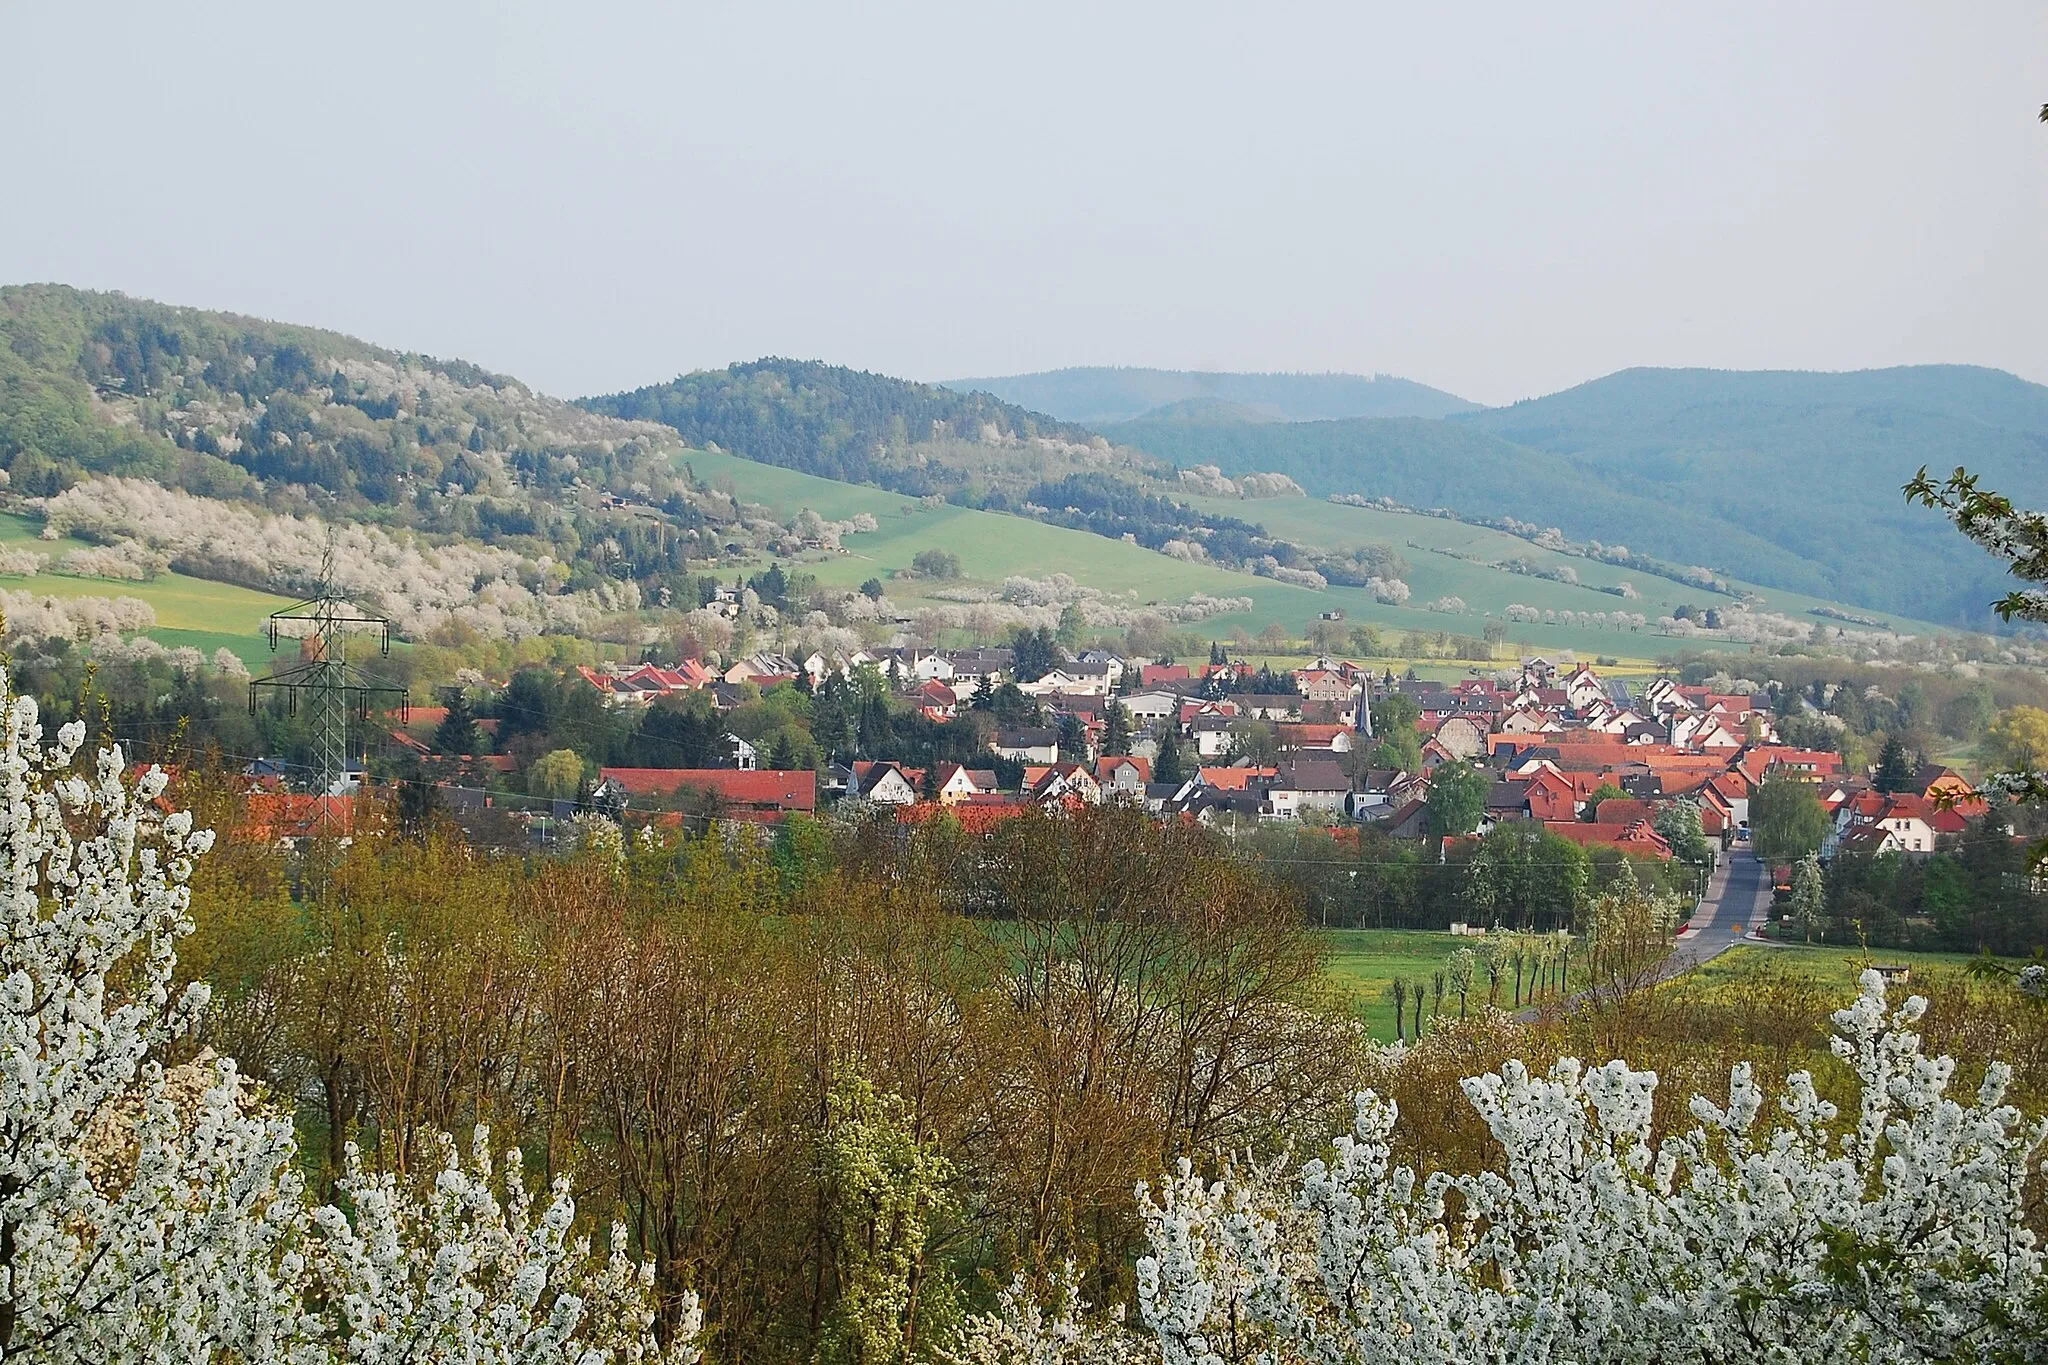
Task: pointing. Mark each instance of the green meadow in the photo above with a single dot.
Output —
(1446, 558)
(189, 611)
(1835, 967)
(1361, 965)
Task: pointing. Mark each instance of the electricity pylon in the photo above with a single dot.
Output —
(330, 686)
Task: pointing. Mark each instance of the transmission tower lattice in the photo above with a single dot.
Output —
(324, 681)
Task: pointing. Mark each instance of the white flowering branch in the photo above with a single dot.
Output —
(1798, 1237)
(155, 1215)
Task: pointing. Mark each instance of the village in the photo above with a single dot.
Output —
(1332, 743)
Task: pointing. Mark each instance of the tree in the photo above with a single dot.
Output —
(458, 733)
(1394, 712)
(1894, 767)
(872, 590)
(2013, 534)
(1457, 799)
(1350, 1260)
(557, 774)
(1400, 751)
(1679, 823)
(1071, 625)
(1809, 895)
(1034, 653)
(1166, 766)
(156, 1211)
(1786, 818)
(935, 564)
(1604, 792)
(1116, 729)
(1526, 876)
(2018, 738)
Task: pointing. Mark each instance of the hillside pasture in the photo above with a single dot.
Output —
(189, 611)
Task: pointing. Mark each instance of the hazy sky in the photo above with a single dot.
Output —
(1501, 200)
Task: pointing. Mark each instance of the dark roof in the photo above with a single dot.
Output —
(1313, 775)
(1026, 739)
(1508, 796)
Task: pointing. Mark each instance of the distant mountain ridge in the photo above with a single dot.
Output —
(1783, 477)
(1092, 395)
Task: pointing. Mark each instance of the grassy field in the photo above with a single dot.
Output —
(1363, 963)
(189, 611)
(992, 546)
(1421, 540)
(1835, 967)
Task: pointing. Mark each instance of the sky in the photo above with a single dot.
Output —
(1498, 199)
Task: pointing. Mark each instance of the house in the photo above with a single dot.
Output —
(1211, 805)
(1308, 784)
(1149, 708)
(1508, 800)
(1637, 837)
(1058, 782)
(1381, 790)
(1163, 675)
(1409, 820)
(1028, 746)
(1123, 776)
(970, 666)
(1236, 779)
(1461, 737)
(885, 783)
(644, 682)
(1212, 735)
(1316, 738)
(931, 668)
(1323, 685)
(1905, 820)
(764, 669)
(1061, 680)
(956, 783)
(287, 821)
(936, 700)
(1096, 677)
(1583, 688)
(748, 794)
(1269, 705)
(1112, 665)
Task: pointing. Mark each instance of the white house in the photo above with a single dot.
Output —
(1149, 708)
(884, 783)
(1309, 784)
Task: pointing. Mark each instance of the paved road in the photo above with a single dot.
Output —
(1738, 898)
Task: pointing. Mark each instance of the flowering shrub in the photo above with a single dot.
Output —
(143, 1219)
(1900, 1236)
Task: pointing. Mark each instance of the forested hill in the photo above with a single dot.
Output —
(229, 406)
(1811, 462)
(1098, 394)
(1785, 478)
(826, 419)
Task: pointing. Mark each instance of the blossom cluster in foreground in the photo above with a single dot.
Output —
(148, 1215)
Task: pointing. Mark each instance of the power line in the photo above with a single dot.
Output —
(333, 688)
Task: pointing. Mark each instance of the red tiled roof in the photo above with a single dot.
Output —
(1634, 837)
(1105, 767)
(270, 816)
(1234, 779)
(782, 789)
